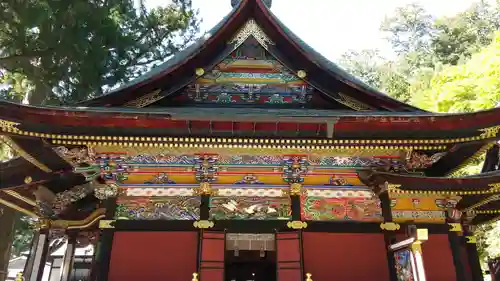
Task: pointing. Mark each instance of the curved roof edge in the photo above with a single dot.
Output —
(479, 180)
(332, 67)
(256, 9)
(467, 125)
(259, 111)
(170, 64)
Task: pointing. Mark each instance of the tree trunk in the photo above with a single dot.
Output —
(7, 221)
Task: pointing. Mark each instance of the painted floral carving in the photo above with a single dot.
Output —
(76, 156)
(161, 178)
(422, 161)
(294, 168)
(159, 208)
(250, 208)
(351, 209)
(249, 179)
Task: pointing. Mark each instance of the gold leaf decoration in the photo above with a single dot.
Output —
(470, 239)
(296, 224)
(251, 28)
(106, 224)
(490, 132)
(352, 103)
(8, 125)
(145, 100)
(390, 226)
(203, 224)
(199, 71)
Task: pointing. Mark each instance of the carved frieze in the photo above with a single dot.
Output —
(105, 191)
(206, 168)
(421, 161)
(76, 156)
(294, 168)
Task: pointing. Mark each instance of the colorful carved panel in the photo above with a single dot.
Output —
(158, 208)
(146, 166)
(250, 208)
(249, 75)
(404, 265)
(420, 208)
(341, 204)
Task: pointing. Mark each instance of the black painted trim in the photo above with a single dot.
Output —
(267, 226)
(106, 242)
(205, 207)
(473, 258)
(296, 208)
(389, 237)
(454, 241)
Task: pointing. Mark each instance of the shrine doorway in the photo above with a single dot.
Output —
(250, 257)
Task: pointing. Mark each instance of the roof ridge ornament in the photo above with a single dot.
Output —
(251, 28)
(268, 3)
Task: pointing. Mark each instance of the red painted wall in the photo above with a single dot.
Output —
(153, 256)
(345, 256)
(438, 261)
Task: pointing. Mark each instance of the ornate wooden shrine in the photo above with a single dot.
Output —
(249, 155)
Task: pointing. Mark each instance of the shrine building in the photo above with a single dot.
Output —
(249, 156)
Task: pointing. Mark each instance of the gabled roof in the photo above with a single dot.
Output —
(250, 17)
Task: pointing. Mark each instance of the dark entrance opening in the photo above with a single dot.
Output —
(250, 265)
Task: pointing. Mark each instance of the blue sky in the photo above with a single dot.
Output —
(330, 26)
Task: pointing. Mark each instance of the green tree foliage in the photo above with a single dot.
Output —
(449, 64)
(409, 30)
(364, 64)
(471, 86)
(7, 219)
(61, 52)
(457, 38)
(424, 41)
(23, 235)
(67, 51)
(378, 72)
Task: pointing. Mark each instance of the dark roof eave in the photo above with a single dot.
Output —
(415, 182)
(329, 66)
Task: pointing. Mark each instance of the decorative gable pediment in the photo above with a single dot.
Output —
(250, 75)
